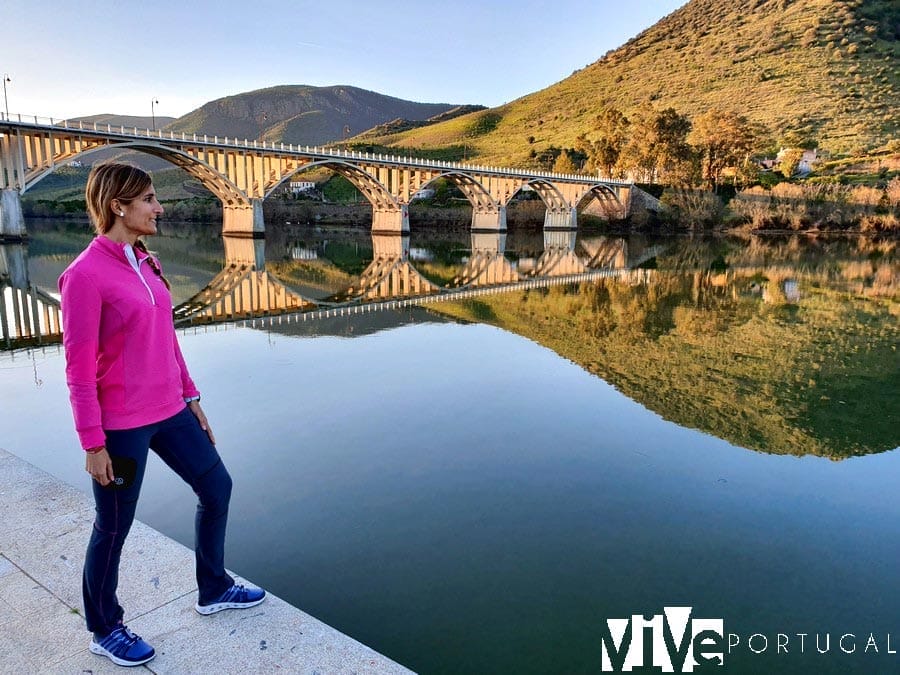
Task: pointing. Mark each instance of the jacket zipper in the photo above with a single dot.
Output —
(136, 266)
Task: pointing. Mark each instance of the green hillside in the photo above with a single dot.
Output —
(816, 72)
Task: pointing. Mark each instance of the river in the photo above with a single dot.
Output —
(479, 485)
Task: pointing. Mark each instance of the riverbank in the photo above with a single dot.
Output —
(43, 533)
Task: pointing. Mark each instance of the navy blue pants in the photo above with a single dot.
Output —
(185, 447)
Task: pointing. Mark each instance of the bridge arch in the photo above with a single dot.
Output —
(550, 195)
(558, 214)
(373, 190)
(478, 196)
(487, 212)
(605, 195)
(215, 182)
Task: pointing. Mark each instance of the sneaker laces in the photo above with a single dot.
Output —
(126, 636)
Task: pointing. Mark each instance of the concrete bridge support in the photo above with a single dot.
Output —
(560, 239)
(491, 220)
(489, 242)
(245, 219)
(12, 220)
(559, 257)
(623, 194)
(247, 251)
(395, 247)
(395, 221)
(14, 265)
(565, 219)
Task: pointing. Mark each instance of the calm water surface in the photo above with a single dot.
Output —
(464, 499)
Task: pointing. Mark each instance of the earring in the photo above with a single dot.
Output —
(121, 213)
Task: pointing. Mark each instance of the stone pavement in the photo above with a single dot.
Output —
(44, 527)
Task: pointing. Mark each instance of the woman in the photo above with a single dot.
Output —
(130, 391)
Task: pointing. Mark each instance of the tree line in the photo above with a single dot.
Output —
(664, 146)
(695, 157)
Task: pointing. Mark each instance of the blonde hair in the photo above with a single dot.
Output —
(109, 181)
(117, 181)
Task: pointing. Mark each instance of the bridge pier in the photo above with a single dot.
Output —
(563, 219)
(393, 220)
(14, 265)
(246, 219)
(489, 220)
(12, 219)
(487, 265)
(560, 239)
(490, 242)
(391, 246)
(623, 193)
(245, 251)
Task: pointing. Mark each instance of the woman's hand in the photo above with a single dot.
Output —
(99, 465)
(201, 417)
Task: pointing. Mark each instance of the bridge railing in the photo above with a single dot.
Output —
(319, 152)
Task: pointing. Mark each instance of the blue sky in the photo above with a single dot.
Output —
(70, 58)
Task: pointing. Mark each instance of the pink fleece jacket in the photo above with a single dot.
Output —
(123, 364)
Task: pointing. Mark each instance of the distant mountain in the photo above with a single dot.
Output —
(302, 114)
(823, 71)
(148, 122)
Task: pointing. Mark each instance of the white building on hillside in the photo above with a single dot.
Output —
(298, 186)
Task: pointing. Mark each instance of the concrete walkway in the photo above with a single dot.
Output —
(44, 528)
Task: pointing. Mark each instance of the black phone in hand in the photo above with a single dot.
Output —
(124, 470)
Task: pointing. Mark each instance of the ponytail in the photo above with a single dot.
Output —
(142, 247)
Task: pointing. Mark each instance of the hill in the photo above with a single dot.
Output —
(139, 121)
(302, 114)
(817, 72)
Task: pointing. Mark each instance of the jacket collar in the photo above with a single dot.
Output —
(114, 249)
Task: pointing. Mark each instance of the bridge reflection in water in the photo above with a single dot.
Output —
(29, 316)
(245, 290)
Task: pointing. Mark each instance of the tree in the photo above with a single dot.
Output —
(547, 157)
(723, 138)
(639, 154)
(611, 134)
(892, 192)
(673, 153)
(657, 147)
(789, 161)
(564, 163)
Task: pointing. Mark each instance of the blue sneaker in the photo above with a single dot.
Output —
(123, 648)
(236, 597)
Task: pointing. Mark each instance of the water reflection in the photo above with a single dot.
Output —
(349, 277)
(29, 316)
(784, 345)
(243, 289)
(771, 345)
(391, 274)
(457, 470)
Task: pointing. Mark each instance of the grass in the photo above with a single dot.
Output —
(815, 70)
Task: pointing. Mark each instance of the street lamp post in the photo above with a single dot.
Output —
(153, 102)
(5, 102)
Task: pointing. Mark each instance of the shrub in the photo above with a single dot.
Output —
(892, 192)
(693, 208)
(791, 207)
(753, 206)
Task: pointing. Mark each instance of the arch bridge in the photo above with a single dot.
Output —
(241, 174)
